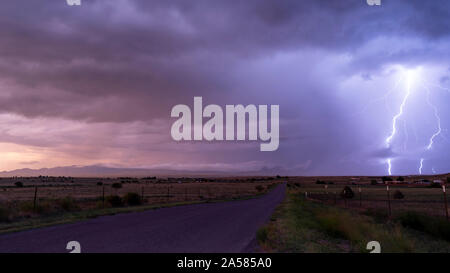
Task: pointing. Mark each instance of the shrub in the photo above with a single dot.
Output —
(373, 182)
(68, 204)
(132, 199)
(41, 207)
(259, 188)
(262, 234)
(437, 227)
(347, 193)
(435, 185)
(357, 229)
(4, 214)
(114, 200)
(386, 178)
(400, 178)
(379, 214)
(18, 184)
(116, 185)
(398, 195)
(99, 183)
(320, 182)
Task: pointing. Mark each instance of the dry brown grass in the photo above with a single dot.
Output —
(87, 193)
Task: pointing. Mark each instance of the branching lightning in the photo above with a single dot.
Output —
(389, 162)
(438, 118)
(411, 77)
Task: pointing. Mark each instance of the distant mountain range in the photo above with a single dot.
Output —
(102, 171)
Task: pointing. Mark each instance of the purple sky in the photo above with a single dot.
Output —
(95, 84)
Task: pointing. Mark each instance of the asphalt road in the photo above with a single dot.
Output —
(227, 227)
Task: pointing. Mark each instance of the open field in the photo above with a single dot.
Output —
(32, 201)
(427, 198)
(213, 227)
(316, 217)
(301, 225)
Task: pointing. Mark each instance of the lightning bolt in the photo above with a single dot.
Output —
(389, 162)
(421, 166)
(438, 119)
(400, 112)
(411, 78)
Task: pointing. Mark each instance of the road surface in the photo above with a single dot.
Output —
(227, 227)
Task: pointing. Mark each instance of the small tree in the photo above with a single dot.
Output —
(373, 182)
(347, 193)
(259, 188)
(18, 184)
(114, 200)
(116, 185)
(400, 178)
(398, 195)
(435, 185)
(132, 199)
(386, 178)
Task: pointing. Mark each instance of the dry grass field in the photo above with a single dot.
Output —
(317, 217)
(424, 197)
(25, 198)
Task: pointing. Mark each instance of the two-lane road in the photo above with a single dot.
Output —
(214, 227)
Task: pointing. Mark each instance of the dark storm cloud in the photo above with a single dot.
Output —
(127, 61)
(143, 50)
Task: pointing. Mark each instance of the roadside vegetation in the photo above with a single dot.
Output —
(300, 224)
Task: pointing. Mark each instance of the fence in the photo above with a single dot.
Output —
(392, 199)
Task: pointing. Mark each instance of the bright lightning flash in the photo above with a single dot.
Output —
(438, 118)
(389, 162)
(421, 166)
(411, 77)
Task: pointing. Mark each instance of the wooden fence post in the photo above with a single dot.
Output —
(103, 196)
(35, 198)
(445, 202)
(389, 200)
(360, 196)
